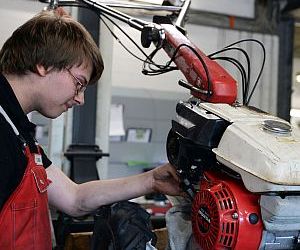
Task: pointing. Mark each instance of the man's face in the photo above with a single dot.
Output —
(64, 89)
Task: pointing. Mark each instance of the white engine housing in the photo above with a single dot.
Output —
(267, 161)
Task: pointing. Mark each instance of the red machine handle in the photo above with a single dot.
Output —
(214, 83)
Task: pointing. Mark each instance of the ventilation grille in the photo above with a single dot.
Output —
(212, 220)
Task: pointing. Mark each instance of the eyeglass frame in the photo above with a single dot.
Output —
(82, 87)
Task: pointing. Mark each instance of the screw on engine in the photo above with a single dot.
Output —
(235, 216)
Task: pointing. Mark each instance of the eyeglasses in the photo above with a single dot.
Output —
(80, 87)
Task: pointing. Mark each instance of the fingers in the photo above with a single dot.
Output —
(165, 172)
(173, 172)
(166, 180)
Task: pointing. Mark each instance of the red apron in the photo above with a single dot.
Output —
(24, 219)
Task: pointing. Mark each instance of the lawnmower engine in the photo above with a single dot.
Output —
(241, 167)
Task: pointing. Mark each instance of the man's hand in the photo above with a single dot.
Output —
(165, 180)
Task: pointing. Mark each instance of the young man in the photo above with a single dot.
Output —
(45, 66)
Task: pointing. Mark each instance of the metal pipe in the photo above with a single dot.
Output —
(133, 22)
(144, 7)
(52, 5)
(182, 14)
(124, 5)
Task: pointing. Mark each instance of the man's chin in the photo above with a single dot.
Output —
(52, 115)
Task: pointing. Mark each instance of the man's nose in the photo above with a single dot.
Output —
(79, 99)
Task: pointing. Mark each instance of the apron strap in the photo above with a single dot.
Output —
(14, 114)
(25, 137)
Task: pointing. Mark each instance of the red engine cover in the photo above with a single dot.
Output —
(225, 215)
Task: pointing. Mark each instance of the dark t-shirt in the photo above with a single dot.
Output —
(12, 158)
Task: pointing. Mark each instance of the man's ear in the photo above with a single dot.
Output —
(41, 70)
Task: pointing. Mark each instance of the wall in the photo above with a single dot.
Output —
(295, 101)
(296, 86)
(13, 13)
(239, 8)
(127, 158)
